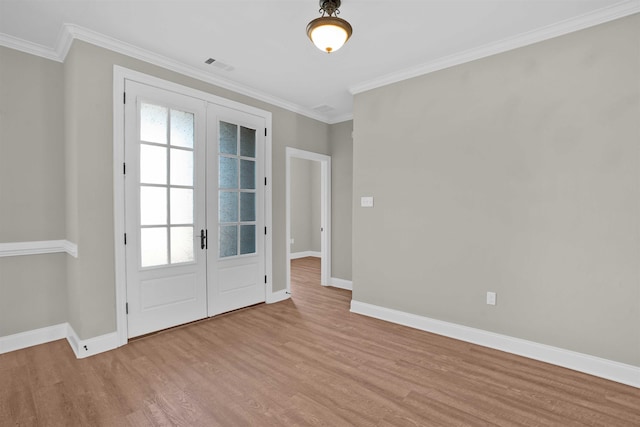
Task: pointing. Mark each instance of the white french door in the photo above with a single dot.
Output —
(192, 209)
(235, 165)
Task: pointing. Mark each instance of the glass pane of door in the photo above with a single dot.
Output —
(153, 245)
(237, 190)
(166, 186)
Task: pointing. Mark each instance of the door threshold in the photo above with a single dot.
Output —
(216, 316)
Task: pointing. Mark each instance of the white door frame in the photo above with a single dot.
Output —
(325, 211)
(120, 74)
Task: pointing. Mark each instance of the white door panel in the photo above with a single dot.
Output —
(165, 208)
(236, 278)
(165, 291)
(235, 209)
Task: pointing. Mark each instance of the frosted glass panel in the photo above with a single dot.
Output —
(153, 206)
(181, 167)
(153, 164)
(228, 138)
(228, 240)
(153, 123)
(247, 174)
(181, 206)
(181, 129)
(247, 142)
(182, 244)
(228, 173)
(228, 208)
(153, 246)
(237, 175)
(247, 239)
(247, 207)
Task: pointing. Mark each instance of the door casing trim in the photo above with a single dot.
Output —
(325, 214)
(120, 75)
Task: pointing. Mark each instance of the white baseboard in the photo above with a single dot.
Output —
(31, 338)
(81, 348)
(305, 254)
(608, 369)
(278, 296)
(341, 283)
(91, 346)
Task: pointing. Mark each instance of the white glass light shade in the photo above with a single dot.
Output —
(329, 33)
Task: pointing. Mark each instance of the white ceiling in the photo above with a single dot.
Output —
(266, 44)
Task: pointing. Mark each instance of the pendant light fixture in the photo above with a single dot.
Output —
(329, 33)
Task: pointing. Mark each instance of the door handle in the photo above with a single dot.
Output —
(203, 239)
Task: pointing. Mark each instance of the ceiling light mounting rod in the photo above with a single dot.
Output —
(329, 33)
(329, 7)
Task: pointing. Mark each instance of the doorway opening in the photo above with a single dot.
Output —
(312, 167)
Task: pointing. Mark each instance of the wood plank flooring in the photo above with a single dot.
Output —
(305, 361)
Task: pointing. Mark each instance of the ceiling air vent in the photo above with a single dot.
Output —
(323, 109)
(218, 64)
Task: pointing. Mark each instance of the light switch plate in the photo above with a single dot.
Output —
(491, 298)
(366, 201)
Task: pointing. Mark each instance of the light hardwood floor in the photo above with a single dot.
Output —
(304, 361)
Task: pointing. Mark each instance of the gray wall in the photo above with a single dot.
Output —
(518, 173)
(31, 148)
(305, 205)
(32, 292)
(32, 288)
(316, 206)
(342, 196)
(315, 174)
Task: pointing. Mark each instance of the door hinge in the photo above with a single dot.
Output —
(124, 97)
(265, 180)
(265, 231)
(126, 308)
(265, 131)
(265, 278)
(125, 238)
(124, 168)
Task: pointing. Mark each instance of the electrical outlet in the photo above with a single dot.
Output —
(491, 298)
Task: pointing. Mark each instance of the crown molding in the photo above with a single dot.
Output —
(600, 16)
(29, 47)
(71, 32)
(74, 32)
(340, 119)
(65, 40)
